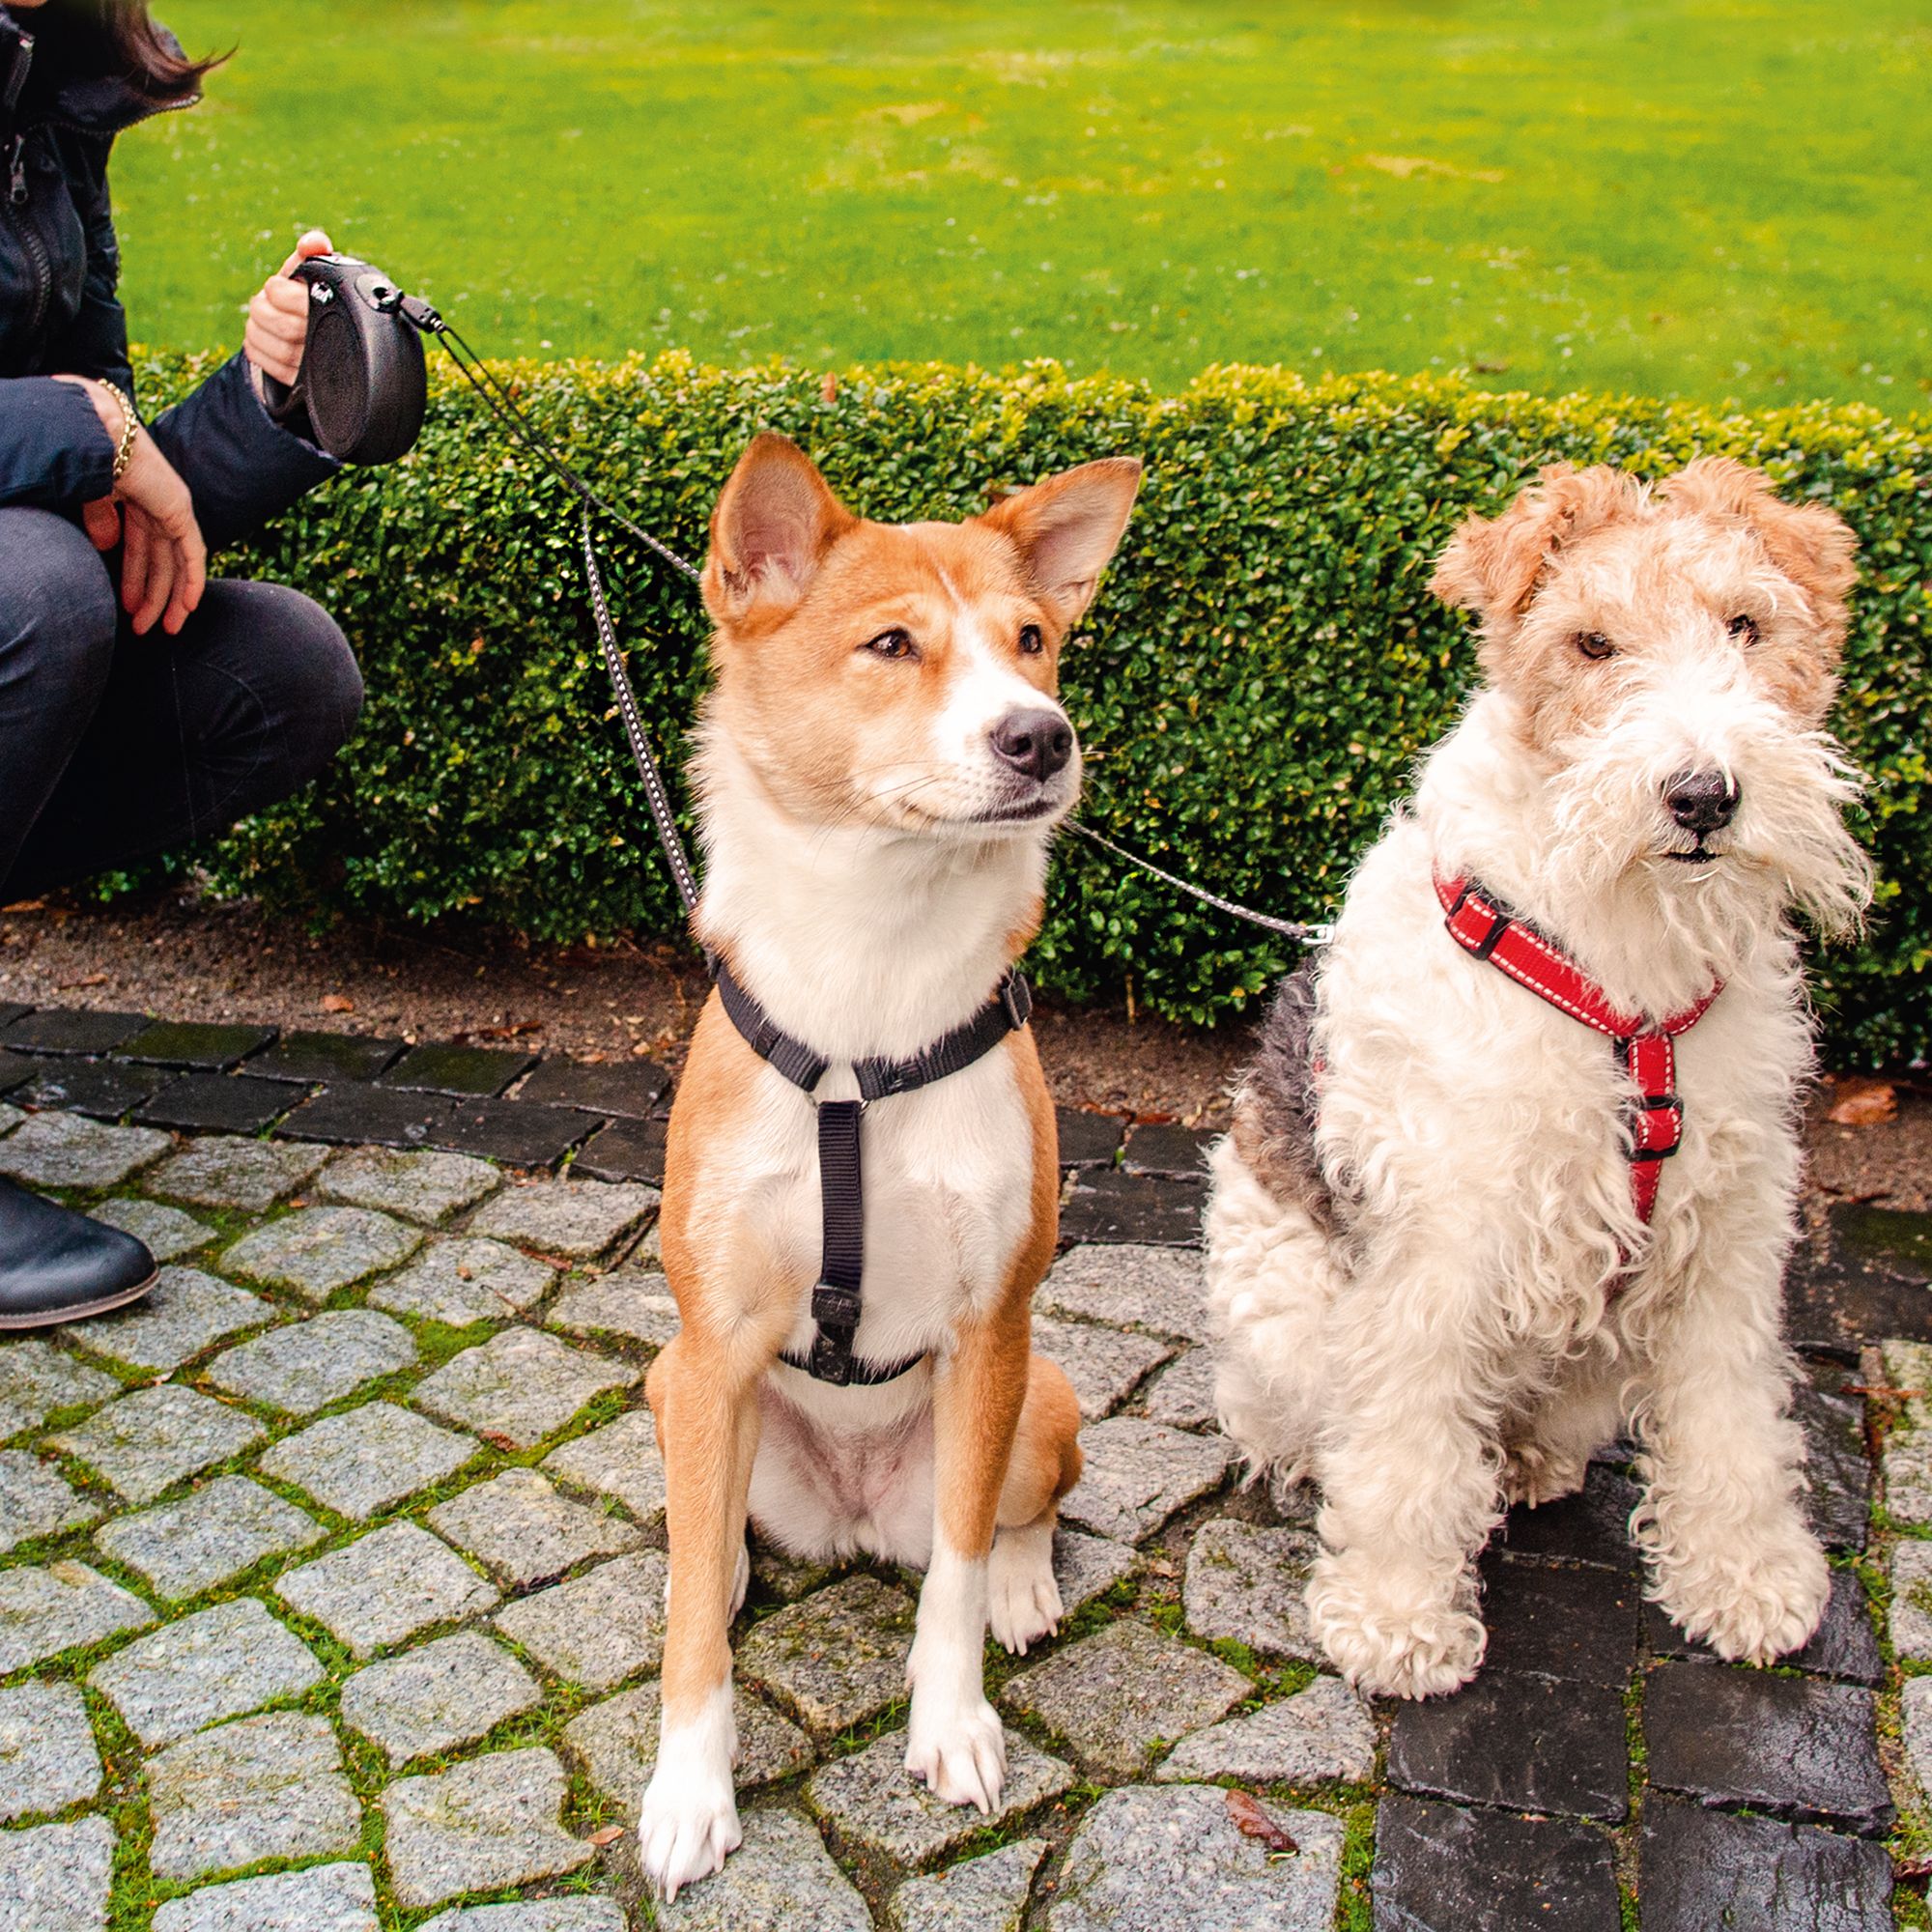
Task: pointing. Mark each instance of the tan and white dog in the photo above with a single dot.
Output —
(882, 762)
(1440, 1273)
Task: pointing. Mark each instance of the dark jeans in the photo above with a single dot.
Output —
(112, 746)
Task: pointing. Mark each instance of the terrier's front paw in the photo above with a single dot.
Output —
(1534, 1475)
(958, 1753)
(687, 1827)
(1023, 1600)
(1751, 1605)
(1394, 1632)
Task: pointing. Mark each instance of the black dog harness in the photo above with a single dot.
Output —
(836, 1302)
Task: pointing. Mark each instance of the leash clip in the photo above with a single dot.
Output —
(1016, 996)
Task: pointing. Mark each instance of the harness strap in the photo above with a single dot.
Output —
(1486, 928)
(837, 1302)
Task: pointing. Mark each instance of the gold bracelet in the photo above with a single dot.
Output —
(130, 427)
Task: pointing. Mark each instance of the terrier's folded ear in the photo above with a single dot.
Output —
(1493, 565)
(1066, 527)
(772, 526)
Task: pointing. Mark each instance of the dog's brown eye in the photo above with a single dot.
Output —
(1594, 644)
(1032, 643)
(893, 643)
(1744, 629)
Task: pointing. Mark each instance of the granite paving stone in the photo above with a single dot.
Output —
(36, 1500)
(629, 1302)
(438, 1696)
(224, 1172)
(443, 1068)
(476, 1826)
(1522, 1740)
(1087, 1140)
(1911, 1600)
(624, 1150)
(1116, 1695)
(520, 1387)
(1838, 1495)
(619, 1088)
(1086, 1567)
(987, 1894)
(1103, 1364)
(1845, 1644)
(56, 1878)
(1576, 1622)
(100, 1089)
(1321, 1734)
(310, 1364)
(367, 1459)
(518, 1133)
(306, 1058)
(577, 1219)
(38, 1381)
(1182, 1394)
(47, 1758)
(268, 1787)
(1699, 1869)
(781, 1879)
(1245, 1581)
(1158, 1289)
(317, 1250)
(1443, 1868)
(1149, 1858)
(1792, 1746)
(323, 1899)
(838, 1657)
(458, 1282)
(72, 1029)
(874, 1802)
(184, 1312)
(425, 1187)
(1906, 1470)
(357, 1115)
(15, 1070)
(218, 1663)
(1915, 1701)
(229, 1103)
(1109, 1205)
(1159, 1147)
(1592, 1526)
(384, 1587)
(224, 1527)
(578, 1914)
(71, 1150)
(1138, 1473)
(61, 1606)
(619, 1460)
(10, 1117)
(523, 1533)
(616, 1743)
(199, 1044)
(780, 1573)
(153, 1437)
(599, 1627)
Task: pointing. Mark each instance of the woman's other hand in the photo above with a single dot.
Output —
(278, 316)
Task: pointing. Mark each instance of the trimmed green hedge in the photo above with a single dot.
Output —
(1262, 666)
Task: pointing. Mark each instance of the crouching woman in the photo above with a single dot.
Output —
(141, 703)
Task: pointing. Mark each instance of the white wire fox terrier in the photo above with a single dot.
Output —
(1445, 1259)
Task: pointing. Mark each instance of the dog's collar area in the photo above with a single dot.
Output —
(1486, 929)
(837, 1303)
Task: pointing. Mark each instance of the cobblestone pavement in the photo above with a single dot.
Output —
(331, 1577)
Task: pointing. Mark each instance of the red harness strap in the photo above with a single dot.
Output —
(1483, 926)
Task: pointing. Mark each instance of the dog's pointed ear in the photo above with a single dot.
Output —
(1492, 565)
(1067, 526)
(1811, 545)
(772, 526)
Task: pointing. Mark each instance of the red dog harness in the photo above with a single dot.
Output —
(1483, 926)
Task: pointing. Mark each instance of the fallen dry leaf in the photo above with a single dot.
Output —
(1865, 1103)
(337, 1003)
(85, 980)
(1249, 1817)
(608, 1836)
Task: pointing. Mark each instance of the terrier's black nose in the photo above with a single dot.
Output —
(1701, 802)
(1037, 743)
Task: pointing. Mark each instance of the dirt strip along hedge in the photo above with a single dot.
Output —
(1261, 669)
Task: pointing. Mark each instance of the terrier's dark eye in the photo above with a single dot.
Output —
(1743, 627)
(893, 644)
(1594, 644)
(1032, 643)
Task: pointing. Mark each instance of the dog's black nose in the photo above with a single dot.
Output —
(1701, 802)
(1037, 743)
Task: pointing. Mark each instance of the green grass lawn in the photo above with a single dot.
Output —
(1702, 197)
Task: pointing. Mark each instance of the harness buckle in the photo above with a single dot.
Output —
(836, 1307)
(831, 1360)
(1016, 996)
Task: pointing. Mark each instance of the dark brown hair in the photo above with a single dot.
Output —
(118, 37)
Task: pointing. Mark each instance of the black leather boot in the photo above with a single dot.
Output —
(57, 1266)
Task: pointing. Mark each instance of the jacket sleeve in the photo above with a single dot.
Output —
(240, 466)
(54, 454)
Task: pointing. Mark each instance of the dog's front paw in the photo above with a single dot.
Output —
(1393, 1631)
(686, 1830)
(1023, 1600)
(959, 1754)
(1751, 1605)
(1533, 1475)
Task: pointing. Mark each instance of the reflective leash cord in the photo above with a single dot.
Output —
(504, 406)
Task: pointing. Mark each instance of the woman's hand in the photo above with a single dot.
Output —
(278, 317)
(151, 515)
